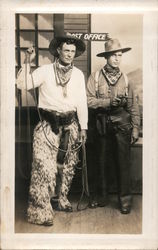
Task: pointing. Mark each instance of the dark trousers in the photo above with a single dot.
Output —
(116, 144)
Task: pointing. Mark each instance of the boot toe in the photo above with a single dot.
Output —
(102, 202)
(125, 209)
(47, 223)
(93, 204)
(65, 209)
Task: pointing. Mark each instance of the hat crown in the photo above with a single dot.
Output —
(112, 45)
(66, 37)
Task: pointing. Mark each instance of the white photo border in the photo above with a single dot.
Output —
(149, 237)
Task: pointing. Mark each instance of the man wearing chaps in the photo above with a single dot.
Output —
(63, 109)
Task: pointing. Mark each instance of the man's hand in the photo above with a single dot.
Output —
(30, 54)
(123, 101)
(83, 135)
(135, 136)
(115, 101)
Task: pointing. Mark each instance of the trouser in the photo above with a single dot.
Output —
(45, 169)
(116, 144)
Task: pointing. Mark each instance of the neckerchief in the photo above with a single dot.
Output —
(111, 74)
(62, 75)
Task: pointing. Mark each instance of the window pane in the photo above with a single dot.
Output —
(27, 39)
(27, 21)
(45, 21)
(22, 54)
(44, 39)
(45, 57)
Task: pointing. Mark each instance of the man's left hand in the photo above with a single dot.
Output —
(123, 101)
(83, 135)
(135, 136)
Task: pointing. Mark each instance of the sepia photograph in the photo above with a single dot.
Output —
(78, 98)
(79, 121)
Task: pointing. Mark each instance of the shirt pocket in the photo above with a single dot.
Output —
(121, 91)
(102, 91)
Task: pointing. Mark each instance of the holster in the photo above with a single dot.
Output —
(101, 123)
(63, 146)
(97, 121)
(121, 119)
(52, 119)
(56, 120)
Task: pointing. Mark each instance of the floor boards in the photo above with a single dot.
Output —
(107, 220)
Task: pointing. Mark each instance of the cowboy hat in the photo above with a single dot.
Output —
(111, 46)
(66, 37)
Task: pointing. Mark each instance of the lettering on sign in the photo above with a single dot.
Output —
(91, 36)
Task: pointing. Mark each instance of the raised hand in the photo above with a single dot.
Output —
(30, 54)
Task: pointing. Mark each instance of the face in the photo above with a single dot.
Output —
(67, 53)
(115, 59)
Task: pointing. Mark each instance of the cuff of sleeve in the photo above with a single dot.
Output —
(18, 84)
(85, 127)
(21, 76)
(105, 103)
(135, 131)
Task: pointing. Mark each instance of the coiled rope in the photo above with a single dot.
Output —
(85, 189)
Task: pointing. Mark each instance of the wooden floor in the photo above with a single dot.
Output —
(107, 220)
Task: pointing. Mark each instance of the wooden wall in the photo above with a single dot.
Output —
(80, 23)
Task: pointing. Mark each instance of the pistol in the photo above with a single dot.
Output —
(124, 97)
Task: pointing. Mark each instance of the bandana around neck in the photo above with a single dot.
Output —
(62, 75)
(111, 74)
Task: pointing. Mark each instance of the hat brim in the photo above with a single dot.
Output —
(106, 53)
(55, 43)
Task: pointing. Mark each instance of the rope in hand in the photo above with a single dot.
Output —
(39, 114)
(85, 189)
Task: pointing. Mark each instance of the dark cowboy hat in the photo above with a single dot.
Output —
(66, 37)
(111, 46)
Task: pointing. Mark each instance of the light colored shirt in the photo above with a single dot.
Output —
(105, 95)
(51, 95)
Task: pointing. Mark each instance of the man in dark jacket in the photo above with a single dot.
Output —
(113, 101)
